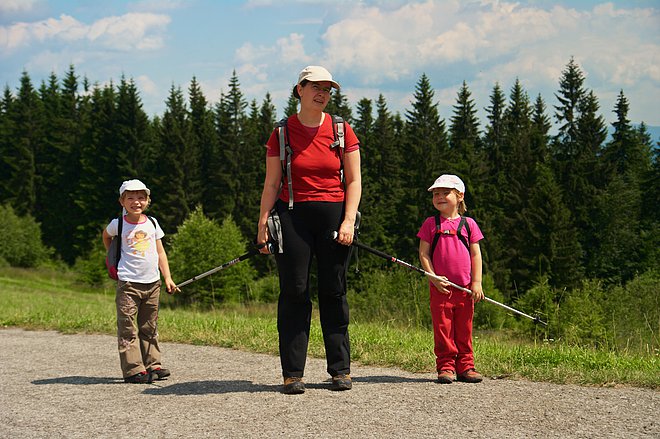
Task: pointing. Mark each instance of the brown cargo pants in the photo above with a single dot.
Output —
(137, 331)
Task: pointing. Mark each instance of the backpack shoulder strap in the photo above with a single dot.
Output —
(436, 235)
(461, 224)
(153, 221)
(120, 224)
(338, 129)
(285, 155)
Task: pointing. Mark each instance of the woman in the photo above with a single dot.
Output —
(322, 203)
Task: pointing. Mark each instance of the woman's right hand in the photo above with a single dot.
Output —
(263, 238)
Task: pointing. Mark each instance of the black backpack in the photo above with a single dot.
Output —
(461, 224)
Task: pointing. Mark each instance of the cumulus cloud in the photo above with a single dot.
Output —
(17, 6)
(147, 86)
(489, 41)
(141, 31)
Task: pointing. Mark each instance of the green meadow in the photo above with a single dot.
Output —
(50, 300)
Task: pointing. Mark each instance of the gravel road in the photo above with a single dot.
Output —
(68, 386)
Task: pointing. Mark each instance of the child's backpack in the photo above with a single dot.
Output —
(462, 223)
(286, 152)
(114, 251)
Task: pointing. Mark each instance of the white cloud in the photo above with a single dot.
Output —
(14, 6)
(158, 5)
(147, 86)
(494, 41)
(141, 31)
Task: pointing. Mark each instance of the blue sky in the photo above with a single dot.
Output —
(372, 47)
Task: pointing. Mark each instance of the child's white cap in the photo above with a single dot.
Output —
(133, 185)
(449, 181)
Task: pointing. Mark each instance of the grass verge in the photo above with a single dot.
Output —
(51, 301)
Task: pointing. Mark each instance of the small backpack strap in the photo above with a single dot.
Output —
(285, 156)
(120, 224)
(338, 131)
(153, 221)
(436, 235)
(462, 223)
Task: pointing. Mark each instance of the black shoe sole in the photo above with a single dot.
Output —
(160, 375)
(296, 388)
(139, 379)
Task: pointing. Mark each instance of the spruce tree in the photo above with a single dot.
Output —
(203, 146)
(291, 106)
(467, 152)
(339, 106)
(426, 153)
(384, 161)
(132, 133)
(97, 192)
(169, 189)
(552, 247)
(575, 151)
(26, 116)
(57, 164)
(540, 128)
(7, 133)
(225, 176)
(621, 232)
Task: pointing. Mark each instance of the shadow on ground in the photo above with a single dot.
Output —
(80, 380)
(220, 386)
(244, 386)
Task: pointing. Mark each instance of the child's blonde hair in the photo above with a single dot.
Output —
(462, 207)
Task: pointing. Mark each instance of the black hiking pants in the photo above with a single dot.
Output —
(305, 231)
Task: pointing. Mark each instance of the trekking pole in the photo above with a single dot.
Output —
(420, 270)
(234, 261)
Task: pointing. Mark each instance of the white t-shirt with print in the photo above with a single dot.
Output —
(139, 256)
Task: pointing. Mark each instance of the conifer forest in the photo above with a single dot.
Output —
(557, 198)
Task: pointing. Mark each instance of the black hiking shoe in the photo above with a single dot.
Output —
(139, 378)
(293, 386)
(341, 382)
(159, 374)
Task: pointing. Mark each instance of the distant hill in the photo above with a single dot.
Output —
(655, 133)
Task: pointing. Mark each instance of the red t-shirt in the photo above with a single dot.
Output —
(315, 167)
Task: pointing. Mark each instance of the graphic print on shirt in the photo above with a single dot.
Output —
(139, 242)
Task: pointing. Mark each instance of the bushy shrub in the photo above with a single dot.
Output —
(90, 269)
(633, 312)
(266, 289)
(538, 301)
(582, 318)
(391, 295)
(21, 244)
(488, 315)
(199, 245)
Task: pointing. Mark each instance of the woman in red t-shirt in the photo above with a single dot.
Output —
(322, 203)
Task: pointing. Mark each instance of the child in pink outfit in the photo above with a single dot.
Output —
(456, 258)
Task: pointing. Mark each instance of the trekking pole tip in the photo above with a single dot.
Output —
(537, 319)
